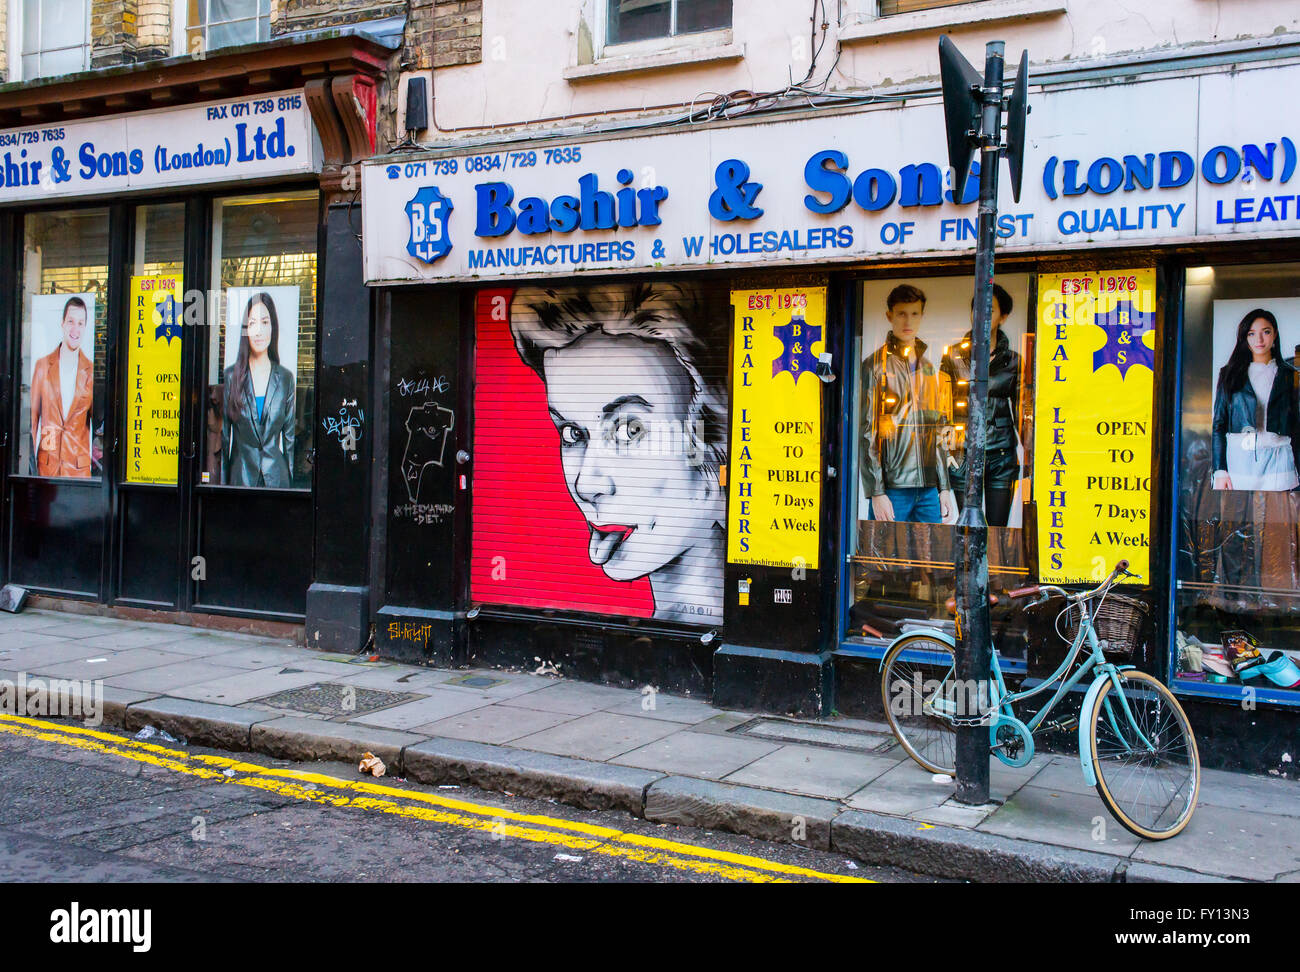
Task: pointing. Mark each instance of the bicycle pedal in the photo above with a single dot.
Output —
(1068, 724)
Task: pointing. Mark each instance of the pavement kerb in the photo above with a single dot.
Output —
(870, 838)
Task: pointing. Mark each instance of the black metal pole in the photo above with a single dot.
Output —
(975, 645)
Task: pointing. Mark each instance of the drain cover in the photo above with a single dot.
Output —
(816, 734)
(476, 681)
(335, 699)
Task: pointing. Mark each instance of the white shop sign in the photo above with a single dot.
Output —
(244, 138)
(1137, 162)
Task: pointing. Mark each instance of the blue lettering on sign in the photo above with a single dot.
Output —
(1168, 170)
(592, 209)
(919, 184)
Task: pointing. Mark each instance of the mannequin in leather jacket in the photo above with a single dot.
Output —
(257, 438)
(1001, 464)
(902, 413)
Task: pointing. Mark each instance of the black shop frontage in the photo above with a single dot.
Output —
(166, 276)
(685, 412)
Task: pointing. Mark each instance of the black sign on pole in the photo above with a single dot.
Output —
(973, 118)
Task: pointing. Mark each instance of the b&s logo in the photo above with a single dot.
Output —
(426, 215)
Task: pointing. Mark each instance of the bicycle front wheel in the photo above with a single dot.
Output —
(1148, 770)
(914, 673)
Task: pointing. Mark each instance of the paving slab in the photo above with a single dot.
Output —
(167, 677)
(813, 772)
(296, 738)
(202, 723)
(1252, 846)
(955, 814)
(256, 684)
(32, 658)
(1061, 817)
(1254, 794)
(264, 656)
(509, 684)
(86, 627)
(13, 641)
(903, 790)
(600, 735)
(577, 782)
(768, 815)
(573, 698)
(697, 754)
(115, 640)
(670, 708)
(395, 678)
(439, 704)
(493, 724)
(100, 663)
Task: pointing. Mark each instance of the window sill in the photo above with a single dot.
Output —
(986, 12)
(609, 67)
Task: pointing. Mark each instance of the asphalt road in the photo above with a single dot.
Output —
(104, 808)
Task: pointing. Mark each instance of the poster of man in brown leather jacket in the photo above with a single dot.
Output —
(62, 384)
(904, 407)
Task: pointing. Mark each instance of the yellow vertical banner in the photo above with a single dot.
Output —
(774, 512)
(1093, 422)
(153, 389)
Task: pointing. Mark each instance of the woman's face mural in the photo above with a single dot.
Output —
(600, 438)
(626, 453)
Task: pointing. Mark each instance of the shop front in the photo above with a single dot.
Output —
(687, 410)
(161, 326)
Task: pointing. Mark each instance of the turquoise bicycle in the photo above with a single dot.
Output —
(1136, 745)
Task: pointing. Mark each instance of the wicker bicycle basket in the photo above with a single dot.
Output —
(1118, 622)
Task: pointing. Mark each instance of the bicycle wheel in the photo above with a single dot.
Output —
(906, 686)
(1148, 770)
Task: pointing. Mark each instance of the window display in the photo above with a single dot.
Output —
(909, 445)
(261, 356)
(64, 269)
(1238, 589)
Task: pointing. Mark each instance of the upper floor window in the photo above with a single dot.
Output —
(638, 20)
(888, 7)
(55, 37)
(227, 23)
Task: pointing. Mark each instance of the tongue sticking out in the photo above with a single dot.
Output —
(604, 542)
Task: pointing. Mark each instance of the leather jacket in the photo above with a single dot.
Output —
(260, 452)
(903, 407)
(1239, 410)
(1001, 412)
(62, 441)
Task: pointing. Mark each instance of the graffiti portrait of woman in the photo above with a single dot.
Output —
(633, 377)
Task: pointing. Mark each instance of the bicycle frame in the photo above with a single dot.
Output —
(1003, 701)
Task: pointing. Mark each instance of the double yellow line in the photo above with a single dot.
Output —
(415, 804)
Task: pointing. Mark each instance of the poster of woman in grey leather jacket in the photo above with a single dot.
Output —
(258, 413)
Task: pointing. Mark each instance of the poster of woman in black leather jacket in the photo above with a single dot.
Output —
(1002, 462)
(257, 434)
(1256, 412)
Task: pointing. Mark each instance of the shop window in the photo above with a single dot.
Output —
(65, 268)
(1237, 604)
(262, 342)
(639, 20)
(226, 23)
(55, 37)
(890, 7)
(911, 404)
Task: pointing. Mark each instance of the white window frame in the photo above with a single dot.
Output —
(181, 27)
(702, 38)
(15, 43)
